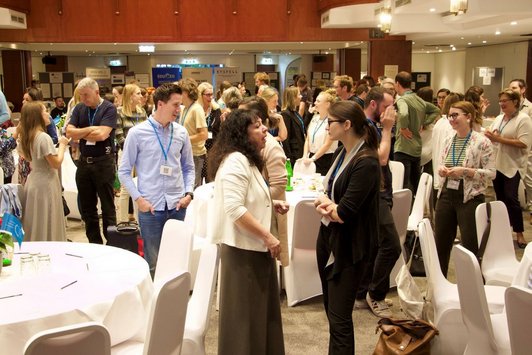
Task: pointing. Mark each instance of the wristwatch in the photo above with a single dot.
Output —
(191, 194)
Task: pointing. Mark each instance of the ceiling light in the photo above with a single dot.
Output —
(458, 7)
(432, 9)
(413, 42)
(461, 37)
(385, 19)
(440, 50)
(497, 33)
(453, 49)
(484, 42)
(468, 43)
(513, 23)
(146, 48)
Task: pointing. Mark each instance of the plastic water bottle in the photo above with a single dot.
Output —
(289, 174)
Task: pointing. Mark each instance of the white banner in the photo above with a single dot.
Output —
(230, 74)
(198, 74)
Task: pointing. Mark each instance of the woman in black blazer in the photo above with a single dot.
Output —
(293, 146)
(349, 228)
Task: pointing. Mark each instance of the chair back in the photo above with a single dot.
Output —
(301, 169)
(82, 339)
(402, 199)
(398, 174)
(175, 249)
(523, 277)
(499, 250)
(306, 226)
(431, 260)
(519, 313)
(198, 211)
(168, 311)
(200, 304)
(473, 303)
(422, 199)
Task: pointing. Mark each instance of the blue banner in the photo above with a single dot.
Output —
(11, 225)
(165, 75)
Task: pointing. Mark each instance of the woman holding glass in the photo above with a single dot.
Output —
(349, 229)
(250, 312)
(466, 166)
(511, 133)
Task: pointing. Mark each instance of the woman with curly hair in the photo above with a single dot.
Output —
(249, 293)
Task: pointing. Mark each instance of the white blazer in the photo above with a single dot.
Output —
(239, 188)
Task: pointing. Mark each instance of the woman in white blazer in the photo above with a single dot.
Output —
(250, 313)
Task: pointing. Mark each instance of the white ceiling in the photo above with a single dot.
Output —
(430, 31)
(429, 24)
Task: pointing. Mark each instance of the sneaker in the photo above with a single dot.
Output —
(379, 308)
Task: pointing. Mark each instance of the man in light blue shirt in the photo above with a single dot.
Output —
(161, 153)
(5, 112)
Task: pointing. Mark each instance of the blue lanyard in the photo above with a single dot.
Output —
(91, 119)
(455, 162)
(161, 143)
(333, 175)
(300, 121)
(185, 114)
(317, 128)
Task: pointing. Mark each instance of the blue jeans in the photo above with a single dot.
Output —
(151, 231)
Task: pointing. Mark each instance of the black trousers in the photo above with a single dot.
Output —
(376, 279)
(507, 191)
(412, 170)
(323, 164)
(452, 212)
(96, 181)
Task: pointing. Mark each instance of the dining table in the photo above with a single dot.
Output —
(82, 282)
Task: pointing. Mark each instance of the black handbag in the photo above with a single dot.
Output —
(124, 235)
(417, 268)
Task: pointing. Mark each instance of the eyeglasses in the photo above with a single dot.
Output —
(502, 101)
(332, 121)
(441, 97)
(454, 116)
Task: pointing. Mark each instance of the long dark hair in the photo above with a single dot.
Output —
(233, 137)
(349, 111)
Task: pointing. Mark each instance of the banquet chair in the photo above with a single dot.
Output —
(499, 265)
(487, 334)
(523, 277)
(519, 315)
(175, 249)
(200, 304)
(445, 299)
(302, 280)
(301, 169)
(421, 200)
(1, 176)
(166, 320)
(402, 200)
(398, 174)
(82, 339)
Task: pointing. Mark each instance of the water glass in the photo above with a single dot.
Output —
(44, 263)
(27, 265)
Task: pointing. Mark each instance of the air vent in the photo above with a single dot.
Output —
(10, 19)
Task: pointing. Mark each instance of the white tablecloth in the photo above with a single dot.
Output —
(113, 286)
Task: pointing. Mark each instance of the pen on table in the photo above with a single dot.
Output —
(19, 294)
(74, 255)
(70, 284)
(87, 266)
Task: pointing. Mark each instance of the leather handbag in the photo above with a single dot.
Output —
(404, 336)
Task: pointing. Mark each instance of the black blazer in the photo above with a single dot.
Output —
(294, 145)
(357, 194)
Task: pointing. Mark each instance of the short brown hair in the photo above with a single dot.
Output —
(344, 80)
(262, 77)
(190, 86)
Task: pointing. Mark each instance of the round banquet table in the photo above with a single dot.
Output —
(85, 282)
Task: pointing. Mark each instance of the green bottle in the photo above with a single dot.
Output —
(289, 174)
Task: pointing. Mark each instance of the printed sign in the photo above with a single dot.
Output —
(165, 75)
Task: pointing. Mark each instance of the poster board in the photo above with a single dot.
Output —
(492, 81)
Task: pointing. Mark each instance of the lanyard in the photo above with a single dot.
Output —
(185, 114)
(161, 143)
(316, 129)
(455, 162)
(333, 175)
(300, 121)
(501, 127)
(376, 128)
(91, 119)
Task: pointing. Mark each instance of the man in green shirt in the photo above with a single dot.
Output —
(413, 113)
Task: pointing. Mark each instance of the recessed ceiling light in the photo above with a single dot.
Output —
(468, 43)
(484, 42)
(451, 45)
(513, 23)
(454, 48)
(432, 9)
(439, 50)
(461, 37)
(428, 52)
(497, 33)
(300, 42)
(413, 42)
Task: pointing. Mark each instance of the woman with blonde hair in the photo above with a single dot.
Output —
(295, 143)
(213, 115)
(275, 123)
(319, 147)
(130, 114)
(42, 217)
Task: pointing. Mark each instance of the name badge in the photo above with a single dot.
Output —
(453, 184)
(90, 143)
(209, 135)
(165, 170)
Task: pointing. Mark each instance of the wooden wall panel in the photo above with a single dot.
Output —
(44, 21)
(17, 75)
(88, 21)
(327, 65)
(350, 62)
(17, 5)
(381, 53)
(61, 64)
(198, 22)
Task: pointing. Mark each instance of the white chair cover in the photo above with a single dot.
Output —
(402, 199)
(398, 174)
(519, 316)
(175, 249)
(301, 169)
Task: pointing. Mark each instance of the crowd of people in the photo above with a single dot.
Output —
(180, 135)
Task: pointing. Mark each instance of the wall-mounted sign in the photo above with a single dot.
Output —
(98, 73)
(165, 75)
(230, 74)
